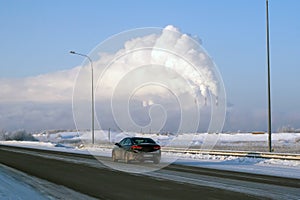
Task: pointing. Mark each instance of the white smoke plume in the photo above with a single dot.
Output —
(177, 52)
(173, 50)
(58, 86)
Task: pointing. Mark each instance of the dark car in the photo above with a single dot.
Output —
(136, 149)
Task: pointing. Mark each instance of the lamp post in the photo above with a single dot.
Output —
(269, 84)
(92, 70)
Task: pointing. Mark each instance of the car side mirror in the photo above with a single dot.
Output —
(117, 144)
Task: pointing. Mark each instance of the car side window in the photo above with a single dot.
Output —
(127, 142)
(122, 143)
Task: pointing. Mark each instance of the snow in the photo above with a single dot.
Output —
(274, 167)
(11, 188)
(18, 185)
(78, 142)
(29, 144)
(223, 139)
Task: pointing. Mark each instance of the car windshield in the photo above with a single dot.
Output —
(142, 140)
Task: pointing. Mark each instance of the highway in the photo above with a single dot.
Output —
(85, 174)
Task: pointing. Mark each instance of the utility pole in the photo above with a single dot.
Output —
(269, 82)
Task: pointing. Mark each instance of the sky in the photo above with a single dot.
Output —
(36, 37)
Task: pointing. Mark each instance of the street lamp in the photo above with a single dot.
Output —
(92, 70)
(269, 83)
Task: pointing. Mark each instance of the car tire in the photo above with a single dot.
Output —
(114, 158)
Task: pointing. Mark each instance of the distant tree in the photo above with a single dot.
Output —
(286, 129)
(20, 135)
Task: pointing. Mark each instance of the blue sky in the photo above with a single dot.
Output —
(36, 37)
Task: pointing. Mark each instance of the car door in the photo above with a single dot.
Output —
(126, 147)
(119, 151)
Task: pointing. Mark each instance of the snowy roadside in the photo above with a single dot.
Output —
(274, 167)
(18, 185)
(12, 188)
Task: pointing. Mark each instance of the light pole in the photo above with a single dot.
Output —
(92, 70)
(269, 83)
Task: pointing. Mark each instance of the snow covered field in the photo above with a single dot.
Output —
(281, 142)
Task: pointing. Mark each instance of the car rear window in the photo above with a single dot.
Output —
(143, 140)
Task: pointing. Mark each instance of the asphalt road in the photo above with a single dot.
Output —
(85, 175)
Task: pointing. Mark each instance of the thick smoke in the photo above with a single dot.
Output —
(167, 72)
(175, 51)
(186, 48)
(172, 49)
(58, 86)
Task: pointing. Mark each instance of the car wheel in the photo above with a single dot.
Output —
(127, 159)
(114, 157)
